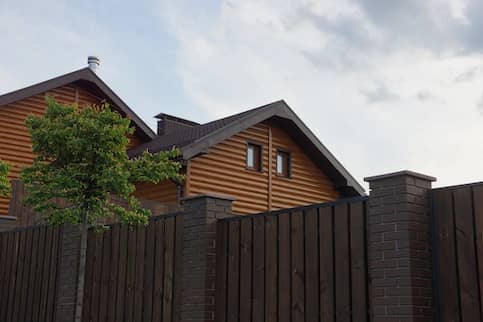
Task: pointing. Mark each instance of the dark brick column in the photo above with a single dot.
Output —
(197, 294)
(399, 247)
(67, 273)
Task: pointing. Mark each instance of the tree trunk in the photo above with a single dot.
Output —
(81, 269)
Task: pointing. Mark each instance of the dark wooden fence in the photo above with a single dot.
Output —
(301, 264)
(28, 279)
(458, 252)
(131, 272)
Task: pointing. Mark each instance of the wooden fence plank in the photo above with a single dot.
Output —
(54, 264)
(465, 243)
(271, 268)
(97, 276)
(114, 270)
(46, 273)
(447, 262)
(91, 243)
(39, 272)
(478, 209)
(358, 261)
(233, 271)
(326, 258)
(298, 269)
(246, 270)
(18, 278)
(178, 263)
(221, 270)
(284, 268)
(342, 263)
(311, 265)
(258, 269)
(158, 290)
(121, 286)
(130, 274)
(105, 275)
(6, 261)
(32, 273)
(25, 275)
(168, 269)
(12, 276)
(149, 272)
(138, 286)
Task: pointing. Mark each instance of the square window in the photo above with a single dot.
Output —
(283, 164)
(254, 157)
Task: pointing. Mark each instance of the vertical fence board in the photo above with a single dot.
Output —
(12, 277)
(121, 286)
(326, 255)
(54, 262)
(168, 270)
(298, 273)
(105, 275)
(233, 271)
(469, 293)
(39, 272)
(113, 274)
(245, 270)
(478, 209)
(159, 271)
(447, 264)
(138, 286)
(342, 263)
(25, 275)
(89, 277)
(284, 268)
(221, 269)
(271, 290)
(358, 260)
(311, 266)
(149, 272)
(258, 269)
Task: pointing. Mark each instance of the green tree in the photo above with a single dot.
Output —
(81, 159)
(4, 182)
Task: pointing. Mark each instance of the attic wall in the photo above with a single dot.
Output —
(15, 143)
(223, 171)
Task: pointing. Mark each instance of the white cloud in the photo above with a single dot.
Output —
(324, 58)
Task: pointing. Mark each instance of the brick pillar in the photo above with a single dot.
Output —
(399, 247)
(67, 273)
(197, 294)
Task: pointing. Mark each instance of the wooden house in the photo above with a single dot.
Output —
(266, 158)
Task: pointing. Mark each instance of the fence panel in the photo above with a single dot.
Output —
(130, 273)
(28, 280)
(300, 264)
(457, 214)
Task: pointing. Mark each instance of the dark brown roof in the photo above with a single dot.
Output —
(87, 78)
(199, 138)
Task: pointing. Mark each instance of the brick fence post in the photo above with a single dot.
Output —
(399, 247)
(197, 293)
(67, 273)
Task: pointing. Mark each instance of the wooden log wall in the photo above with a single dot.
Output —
(300, 264)
(223, 171)
(15, 143)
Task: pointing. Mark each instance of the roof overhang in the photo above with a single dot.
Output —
(280, 110)
(84, 77)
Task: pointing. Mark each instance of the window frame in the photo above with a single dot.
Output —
(260, 156)
(288, 155)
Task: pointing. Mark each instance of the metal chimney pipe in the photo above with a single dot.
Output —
(93, 62)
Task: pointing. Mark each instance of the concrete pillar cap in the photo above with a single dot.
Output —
(404, 173)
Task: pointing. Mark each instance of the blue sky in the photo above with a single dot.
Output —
(385, 85)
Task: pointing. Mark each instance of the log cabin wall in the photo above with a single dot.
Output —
(15, 143)
(223, 171)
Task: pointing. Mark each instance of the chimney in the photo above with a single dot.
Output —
(168, 124)
(93, 62)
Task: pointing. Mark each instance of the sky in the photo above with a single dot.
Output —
(385, 85)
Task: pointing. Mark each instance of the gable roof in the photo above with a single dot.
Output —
(87, 78)
(199, 138)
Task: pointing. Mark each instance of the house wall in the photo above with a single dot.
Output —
(15, 143)
(223, 171)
